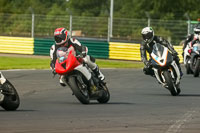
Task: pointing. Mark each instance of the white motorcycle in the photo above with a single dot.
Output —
(195, 61)
(9, 98)
(186, 60)
(165, 69)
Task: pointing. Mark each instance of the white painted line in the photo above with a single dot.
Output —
(178, 124)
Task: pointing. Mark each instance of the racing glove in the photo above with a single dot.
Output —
(83, 53)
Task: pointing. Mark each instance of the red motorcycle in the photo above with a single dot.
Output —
(84, 84)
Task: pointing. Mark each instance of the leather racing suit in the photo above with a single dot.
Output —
(148, 47)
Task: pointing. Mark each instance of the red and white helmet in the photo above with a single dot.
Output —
(61, 36)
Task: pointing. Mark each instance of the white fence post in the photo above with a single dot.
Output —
(70, 25)
(32, 29)
(108, 37)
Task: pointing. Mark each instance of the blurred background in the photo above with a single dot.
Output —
(109, 20)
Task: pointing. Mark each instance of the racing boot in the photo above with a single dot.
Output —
(98, 73)
(62, 81)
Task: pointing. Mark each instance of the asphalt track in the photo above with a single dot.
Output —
(138, 104)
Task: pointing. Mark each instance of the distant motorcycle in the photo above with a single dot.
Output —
(186, 60)
(165, 69)
(84, 84)
(195, 62)
(9, 98)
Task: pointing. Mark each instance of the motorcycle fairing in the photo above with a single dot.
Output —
(160, 57)
(160, 75)
(186, 54)
(67, 65)
(84, 71)
(196, 48)
(2, 79)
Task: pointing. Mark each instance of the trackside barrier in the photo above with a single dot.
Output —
(17, 45)
(131, 51)
(124, 51)
(42, 46)
(98, 49)
(179, 49)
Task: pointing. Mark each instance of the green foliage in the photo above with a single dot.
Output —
(158, 9)
(47, 12)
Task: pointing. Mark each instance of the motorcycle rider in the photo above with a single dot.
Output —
(191, 37)
(195, 40)
(62, 39)
(149, 39)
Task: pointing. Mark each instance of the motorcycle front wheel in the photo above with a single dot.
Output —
(196, 67)
(11, 100)
(106, 95)
(170, 85)
(187, 66)
(81, 94)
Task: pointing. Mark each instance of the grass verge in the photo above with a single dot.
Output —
(7, 62)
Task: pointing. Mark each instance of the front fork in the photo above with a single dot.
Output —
(177, 79)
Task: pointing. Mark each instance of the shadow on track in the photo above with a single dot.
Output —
(20, 110)
(189, 95)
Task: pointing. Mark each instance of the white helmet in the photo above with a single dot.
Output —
(197, 29)
(147, 34)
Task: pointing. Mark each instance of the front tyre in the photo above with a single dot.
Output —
(169, 83)
(187, 66)
(106, 95)
(11, 100)
(196, 67)
(81, 94)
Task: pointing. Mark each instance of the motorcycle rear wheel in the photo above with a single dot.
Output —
(11, 100)
(81, 95)
(171, 87)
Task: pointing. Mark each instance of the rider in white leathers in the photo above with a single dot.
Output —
(62, 39)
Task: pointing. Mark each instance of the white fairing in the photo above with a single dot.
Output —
(84, 71)
(159, 58)
(2, 79)
(52, 51)
(186, 54)
(174, 65)
(177, 72)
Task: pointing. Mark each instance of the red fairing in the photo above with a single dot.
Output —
(71, 62)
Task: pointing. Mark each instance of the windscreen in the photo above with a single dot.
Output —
(62, 54)
(158, 49)
(196, 46)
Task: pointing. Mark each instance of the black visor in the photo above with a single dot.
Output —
(147, 36)
(60, 38)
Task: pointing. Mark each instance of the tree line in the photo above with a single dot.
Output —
(157, 9)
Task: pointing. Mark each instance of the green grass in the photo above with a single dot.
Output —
(23, 63)
(43, 63)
